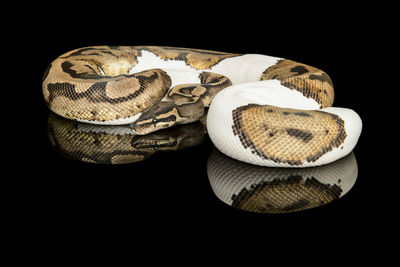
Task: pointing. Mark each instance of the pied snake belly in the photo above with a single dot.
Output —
(262, 110)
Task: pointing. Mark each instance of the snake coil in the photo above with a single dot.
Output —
(262, 110)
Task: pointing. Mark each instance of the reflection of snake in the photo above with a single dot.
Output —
(270, 114)
(278, 190)
(117, 144)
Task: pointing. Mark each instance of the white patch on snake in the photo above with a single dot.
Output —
(244, 71)
(227, 178)
(101, 71)
(269, 92)
(245, 68)
(179, 72)
(352, 126)
(183, 76)
(121, 121)
(240, 69)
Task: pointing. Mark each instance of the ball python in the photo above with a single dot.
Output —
(262, 110)
(279, 190)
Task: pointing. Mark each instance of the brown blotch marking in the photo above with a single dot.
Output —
(213, 83)
(284, 136)
(300, 134)
(210, 85)
(122, 88)
(57, 89)
(195, 58)
(71, 79)
(310, 81)
(287, 195)
(187, 90)
(73, 87)
(85, 62)
(186, 93)
(303, 114)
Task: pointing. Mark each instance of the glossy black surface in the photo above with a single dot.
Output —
(168, 196)
(238, 184)
(167, 183)
(165, 172)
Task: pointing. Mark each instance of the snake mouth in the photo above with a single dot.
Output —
(141, 129)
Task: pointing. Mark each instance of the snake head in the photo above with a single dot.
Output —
(163, 115)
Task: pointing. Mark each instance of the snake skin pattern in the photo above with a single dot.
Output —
(263, 110)
(279, 190)
(117, 144)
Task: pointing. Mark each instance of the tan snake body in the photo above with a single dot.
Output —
(263, 110)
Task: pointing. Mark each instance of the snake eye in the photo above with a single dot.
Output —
(155, 121)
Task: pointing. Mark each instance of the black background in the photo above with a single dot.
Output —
(168, 198)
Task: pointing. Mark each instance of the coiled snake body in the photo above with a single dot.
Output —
(263, 110)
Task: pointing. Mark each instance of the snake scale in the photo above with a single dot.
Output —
(279, 190)
(262, 110)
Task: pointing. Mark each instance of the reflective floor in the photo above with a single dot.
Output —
(240, 185)
(278, 190)
(116, 144)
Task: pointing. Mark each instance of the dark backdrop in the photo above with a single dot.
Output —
(168, 197)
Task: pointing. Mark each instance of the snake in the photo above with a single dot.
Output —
(263, 110)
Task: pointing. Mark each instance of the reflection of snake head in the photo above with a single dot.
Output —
(178, 137)
(153, 142)
(163, 115)
(117, 144)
